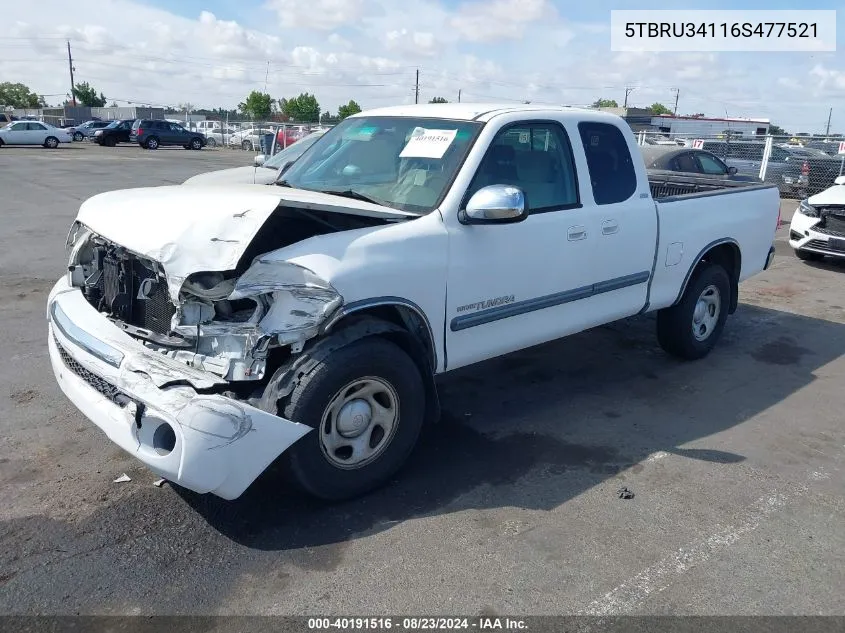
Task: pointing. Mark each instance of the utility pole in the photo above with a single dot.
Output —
(677, 92)
(827, 130)
(417, 88)
(627, 92)
(266, 76)
(70, 65)
(459, 96)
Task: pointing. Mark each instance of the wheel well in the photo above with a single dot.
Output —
(728, 256)
(411, 333)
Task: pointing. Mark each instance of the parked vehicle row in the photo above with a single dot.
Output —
(797, 171)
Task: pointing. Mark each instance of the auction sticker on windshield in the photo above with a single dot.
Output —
(428, 143)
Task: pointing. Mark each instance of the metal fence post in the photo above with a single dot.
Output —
(767, 151)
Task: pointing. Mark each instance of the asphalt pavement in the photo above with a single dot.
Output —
(509, 506)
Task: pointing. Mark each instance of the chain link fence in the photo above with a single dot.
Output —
(799, 166)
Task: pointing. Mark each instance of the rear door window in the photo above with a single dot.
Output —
(611, 168)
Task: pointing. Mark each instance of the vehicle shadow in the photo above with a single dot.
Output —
(536, 428)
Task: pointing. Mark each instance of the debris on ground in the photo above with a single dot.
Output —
(158, 483)
(123, 479)
(625, 493)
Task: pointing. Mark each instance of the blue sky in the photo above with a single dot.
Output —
(213, 52)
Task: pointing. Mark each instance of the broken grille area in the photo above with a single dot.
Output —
(130, 291)
(105, 388)
(831, 224)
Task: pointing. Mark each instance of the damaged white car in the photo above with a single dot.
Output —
(209, 331)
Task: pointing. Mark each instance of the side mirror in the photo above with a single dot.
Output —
(259, 160)
(839, 181)
(731, 171)
(496, 204)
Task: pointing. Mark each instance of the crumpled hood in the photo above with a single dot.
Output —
(196, 229)
(835, 195)
(235, 176)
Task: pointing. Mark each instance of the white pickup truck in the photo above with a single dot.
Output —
(209, 330)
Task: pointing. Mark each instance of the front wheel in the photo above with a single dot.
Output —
(78, 136)
(366, 403)
(690, 329)
(808, 256)
(196, 144)
(247, 146)
(51, 142)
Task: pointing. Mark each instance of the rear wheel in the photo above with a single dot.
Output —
(690, 329)
(211, 142)
(808, 256)
(152, 143)
(366, 403)
(247, 146)
(51, 142)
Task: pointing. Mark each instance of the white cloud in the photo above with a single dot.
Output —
(411, 42)
(485, 21)
(317, 14)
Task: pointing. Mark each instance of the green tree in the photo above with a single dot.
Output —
(258, 105)
(18, 96)
(86, 95)
(605, 103)
(348, 110)
(304, 108)
(438, 100)
(776, 130)
(659, 108)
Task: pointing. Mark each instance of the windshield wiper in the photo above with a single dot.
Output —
(284, 183)
(354, 195)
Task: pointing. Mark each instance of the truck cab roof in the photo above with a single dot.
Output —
(481, 111)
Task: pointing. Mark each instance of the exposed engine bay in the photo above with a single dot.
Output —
(222, 322)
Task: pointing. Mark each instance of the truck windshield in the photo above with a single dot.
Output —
(406, 163)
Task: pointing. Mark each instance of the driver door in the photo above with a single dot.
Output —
(514, 285)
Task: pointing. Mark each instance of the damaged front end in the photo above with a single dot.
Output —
(225, 323)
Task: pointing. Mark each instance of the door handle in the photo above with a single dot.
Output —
(576, 233)
(609, 227)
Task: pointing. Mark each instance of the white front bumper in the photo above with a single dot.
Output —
(803, 237)
(132, 393)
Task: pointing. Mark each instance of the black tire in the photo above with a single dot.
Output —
(78, 136)
(808, 256)
(196, 144)
(151, 143)
(110, 142)
(51, 142)
(310, 465)
(675, 325)
(247, 146)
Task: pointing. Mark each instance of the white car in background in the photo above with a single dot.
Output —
(217, 136)
(264, 172)
(248, 139)
(818, 224)
(34, 133)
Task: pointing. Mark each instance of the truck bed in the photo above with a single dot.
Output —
(668, 184)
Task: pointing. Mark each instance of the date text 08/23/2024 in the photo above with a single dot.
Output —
(417, 624)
